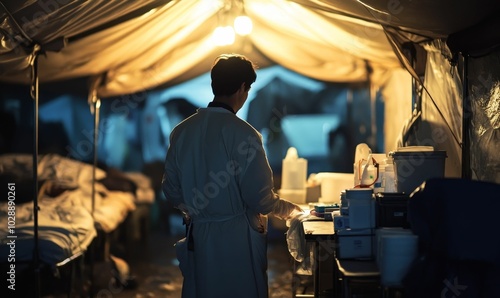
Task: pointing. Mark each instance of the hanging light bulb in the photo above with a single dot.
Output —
(223, 36)
(243, 25)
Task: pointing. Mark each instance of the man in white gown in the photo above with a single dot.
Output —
(218, 175)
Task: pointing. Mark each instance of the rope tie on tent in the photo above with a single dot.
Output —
(33, 62)
(453, 63)
(452, 58)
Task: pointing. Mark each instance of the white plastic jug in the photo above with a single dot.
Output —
(294, 177)
(294, 172)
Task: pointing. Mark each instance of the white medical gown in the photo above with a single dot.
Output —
(217, 171)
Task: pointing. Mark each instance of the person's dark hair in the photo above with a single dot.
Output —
(229, 72)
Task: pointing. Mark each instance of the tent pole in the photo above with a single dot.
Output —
(95, 107)
(373, 108)
(466, 118)
(34, 95)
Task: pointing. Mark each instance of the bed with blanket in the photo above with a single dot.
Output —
(65, 229)
(73, 208)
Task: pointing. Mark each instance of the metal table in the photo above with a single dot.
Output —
(321, 234)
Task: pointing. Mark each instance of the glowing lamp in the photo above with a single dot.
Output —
(223, 36)
(243, 25)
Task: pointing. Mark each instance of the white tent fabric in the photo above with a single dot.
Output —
(425, 19)
(440, 120)
(171, 43)
(48, 22)
(136, 45)
(128, 47)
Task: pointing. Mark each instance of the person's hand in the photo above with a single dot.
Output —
(186, 218)
(299, 209)
(296, 211)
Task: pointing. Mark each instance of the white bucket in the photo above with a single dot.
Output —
(397, 254)
(381, 232)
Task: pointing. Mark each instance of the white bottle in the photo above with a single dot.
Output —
(294, 177)
(294, 171)
(389, 181)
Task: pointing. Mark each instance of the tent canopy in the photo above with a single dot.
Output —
(138, 45)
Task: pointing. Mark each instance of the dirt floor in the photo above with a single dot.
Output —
(153, 264)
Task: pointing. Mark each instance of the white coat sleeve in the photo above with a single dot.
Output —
(256, 181)
(170, 182)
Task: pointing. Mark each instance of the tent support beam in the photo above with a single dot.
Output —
(95, 108)
(34, 95)
(466, 109)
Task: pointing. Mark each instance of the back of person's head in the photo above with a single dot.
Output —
(229, 72)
